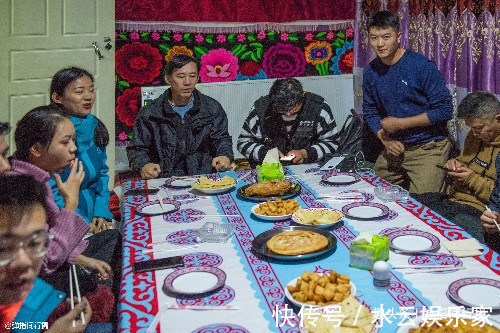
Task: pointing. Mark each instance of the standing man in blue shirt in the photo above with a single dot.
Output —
(406, 104)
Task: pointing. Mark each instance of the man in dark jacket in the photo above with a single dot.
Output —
(298, 123)
(182, 132)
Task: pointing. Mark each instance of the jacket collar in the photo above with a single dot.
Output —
(84, 128)
(21, 167)
(167, 107)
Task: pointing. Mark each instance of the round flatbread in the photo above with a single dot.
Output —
(297, 242)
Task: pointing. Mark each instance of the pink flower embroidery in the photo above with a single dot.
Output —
(261, 35)
(241, 38)
(122, 136)
(177, 37)
(330, 35)
(155, 36)
(349, 32)
(221, 38)
(199, 38)
(284, 36)
(134, 35)
(309, 36)
(284, 60)
(218, 66)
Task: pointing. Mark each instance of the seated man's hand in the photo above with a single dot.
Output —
(150, 171)
(392, 124)
(460, 173)
(300, 156)
(452, 164)
(99, 224)
(221, 163)
(488, 223)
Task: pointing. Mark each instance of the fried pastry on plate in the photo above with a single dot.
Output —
(297, 242)
(268, 188)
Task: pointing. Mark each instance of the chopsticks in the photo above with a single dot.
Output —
(494, 220)
(170, 250)
(431, 270)
(72, 272)
(422, 266)
(203, 307)
(216, 215)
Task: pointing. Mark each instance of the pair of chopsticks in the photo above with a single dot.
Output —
(427, 269)
(72, 274)
(494, 220)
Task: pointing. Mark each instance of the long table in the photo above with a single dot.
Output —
(255, 286)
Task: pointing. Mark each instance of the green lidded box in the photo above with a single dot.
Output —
(363, 254)
(270, 171)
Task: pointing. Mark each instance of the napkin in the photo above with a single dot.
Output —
(272, 156)
(464, 247)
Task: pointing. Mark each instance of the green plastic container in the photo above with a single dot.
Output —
(270, 171)
(363, 256)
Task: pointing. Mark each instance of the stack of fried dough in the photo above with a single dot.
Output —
(268, 188)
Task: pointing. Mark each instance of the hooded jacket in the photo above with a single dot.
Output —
(181, 146)
(93, 200)
(480, 157)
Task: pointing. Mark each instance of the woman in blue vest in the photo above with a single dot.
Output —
(72, 89)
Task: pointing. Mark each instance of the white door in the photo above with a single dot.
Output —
(39, 37)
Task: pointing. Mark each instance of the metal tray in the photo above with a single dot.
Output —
(293, 191)
(259, 244)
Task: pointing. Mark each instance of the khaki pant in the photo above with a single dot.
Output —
(416, 169)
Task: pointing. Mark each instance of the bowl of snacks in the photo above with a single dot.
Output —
(317, 217)
(275, 210)
(318, 290)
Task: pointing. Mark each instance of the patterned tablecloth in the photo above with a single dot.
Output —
(255, 286)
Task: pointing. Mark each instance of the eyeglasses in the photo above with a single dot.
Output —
(35, 246)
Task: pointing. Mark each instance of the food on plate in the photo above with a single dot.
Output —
(207, 183)
(297, 242)
(447, 325)
(278, 207)
(315, 216)
(324, 322)
(321, 289)
(268, 188)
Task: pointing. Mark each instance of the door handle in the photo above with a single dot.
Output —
(97, 51)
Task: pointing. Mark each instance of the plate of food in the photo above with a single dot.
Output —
(269, 190)
(154, 207)
(416, 324)
(340, 178)
(317, 290)
(352, 317)
(210, 186)
(412, 240)
(365, 210)
(276, 210)
(194, 281)
(476, 292)
(183, 182)
(317, 217)
(293, 243)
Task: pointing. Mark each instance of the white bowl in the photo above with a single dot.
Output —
(269, 217)
(300, 304)
(297, 220)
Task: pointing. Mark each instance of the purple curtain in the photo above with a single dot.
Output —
(461, 37)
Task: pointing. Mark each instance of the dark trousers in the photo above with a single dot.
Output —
(105, 246)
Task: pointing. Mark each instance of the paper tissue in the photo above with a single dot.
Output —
(366, 249)
(271, 167)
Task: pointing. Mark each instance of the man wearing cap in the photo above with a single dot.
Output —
(299, 123)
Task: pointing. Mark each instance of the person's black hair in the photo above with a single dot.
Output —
(38, 126)
(383, 19)
(60, 81)
(4, 128)
(180, 60)
(478, 104)
(21, 191)
(285, 94)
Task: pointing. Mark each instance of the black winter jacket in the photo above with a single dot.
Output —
(180, 146)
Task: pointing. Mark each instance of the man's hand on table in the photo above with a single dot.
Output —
(393, 147)
(300, 156)
(150, 171)
(488, 223)
(221, 163)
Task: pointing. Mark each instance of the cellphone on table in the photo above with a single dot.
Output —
(139, 191)
(444, 168)
(163, 263)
